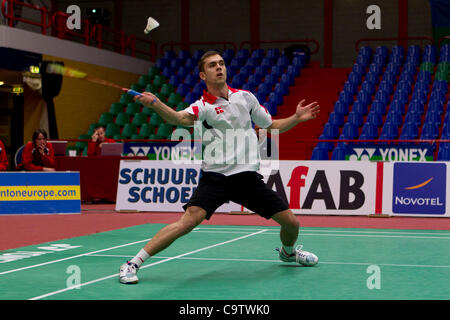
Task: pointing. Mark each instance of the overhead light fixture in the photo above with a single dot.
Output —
(17, 90)
(2, 83)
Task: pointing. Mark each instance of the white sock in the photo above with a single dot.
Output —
(288, 250)
(140, 257)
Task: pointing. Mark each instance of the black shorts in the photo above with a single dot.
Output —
(245, 188)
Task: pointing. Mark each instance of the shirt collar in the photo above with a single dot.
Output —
(208, 97)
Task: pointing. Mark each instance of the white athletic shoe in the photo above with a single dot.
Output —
(127, 273)
(299, 256)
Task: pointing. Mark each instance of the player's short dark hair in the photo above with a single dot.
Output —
(207, 54)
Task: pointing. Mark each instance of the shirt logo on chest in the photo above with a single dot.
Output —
(219, 110)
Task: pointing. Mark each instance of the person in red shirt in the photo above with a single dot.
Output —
(3, 157)
(97, 139)
(38, 154)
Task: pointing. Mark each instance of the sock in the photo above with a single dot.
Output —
(288, 250)
(140, 258)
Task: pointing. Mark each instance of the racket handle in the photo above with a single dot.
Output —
(133, 93)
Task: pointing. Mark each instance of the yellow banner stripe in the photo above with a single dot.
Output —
(28, 193)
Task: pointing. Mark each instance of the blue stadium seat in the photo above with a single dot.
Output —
(264, 88)
(355, 78)
(440, 85)
(183, 55)
(198, 88)
(355, 118)
(360, 108)
(232, 70)
(246, 71)
(168, 72)
(282, 89)
(328, 145)
(438, 96)
(161, 63)
(424, 76)
(271, 107)
(436, 106)
(351, 88)
(410, 131)
(379, 60)
(277, 70)
(276, 98)
(268, 62)
(190, 98)
(368, 87)
(319, 154)
(364, 97)
(261, 71)
(430, 130)
(273, 53)
(433, 117)
(414, 117)
(299, 60)
(252, 63)
(397, 106)
(176, 63)
(416, 106)
(370, 130)
(401, 95)
(374, 118)
(261, 96)
(255, 79)
(271, 79)
(183, 89)
(243, 54)
(336, 119)
(191, 80)
(340, 107)
(346, 98)
(294, 70)
(249, 87)
(378, 107)
(372, 77)
(283, 61)
(190, 63)
(288, 78)
(390, 131)
(197, 54)
(258, 54)
(237, 62)
(394, 117)
(350, 131)
(175, 80)
(238, 81)
(330, 131)
(375, 68)
(339, 153)
(444, 152)
(386, 86)
(228, 55)
(404, 85)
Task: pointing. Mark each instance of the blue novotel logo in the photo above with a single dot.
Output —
(419, 188)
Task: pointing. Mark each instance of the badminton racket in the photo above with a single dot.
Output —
(59, 69)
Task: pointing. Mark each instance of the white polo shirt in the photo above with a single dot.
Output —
(225, 128)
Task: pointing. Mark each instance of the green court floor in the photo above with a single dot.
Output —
(234, 263)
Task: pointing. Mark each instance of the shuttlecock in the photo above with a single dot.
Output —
(151, 24)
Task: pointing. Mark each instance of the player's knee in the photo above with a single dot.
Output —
(191, 219)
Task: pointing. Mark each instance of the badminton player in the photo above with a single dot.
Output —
(222, 108)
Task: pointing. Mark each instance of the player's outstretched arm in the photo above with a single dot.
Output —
(183, 118)
(302, 114)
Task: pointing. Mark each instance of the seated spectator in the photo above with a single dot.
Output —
(3, 157)
(38, 154)
(97, 139)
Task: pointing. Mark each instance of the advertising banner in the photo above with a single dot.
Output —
(392, 152)
(39, 192)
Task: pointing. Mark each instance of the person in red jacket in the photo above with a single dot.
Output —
(97, 139)
(3, 157)
(38, 154)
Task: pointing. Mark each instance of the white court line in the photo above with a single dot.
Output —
(278, 261)
(73, 257)
(335, 235)
(147, 266)
(335, 231)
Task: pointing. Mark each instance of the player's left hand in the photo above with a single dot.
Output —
(308, 112)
